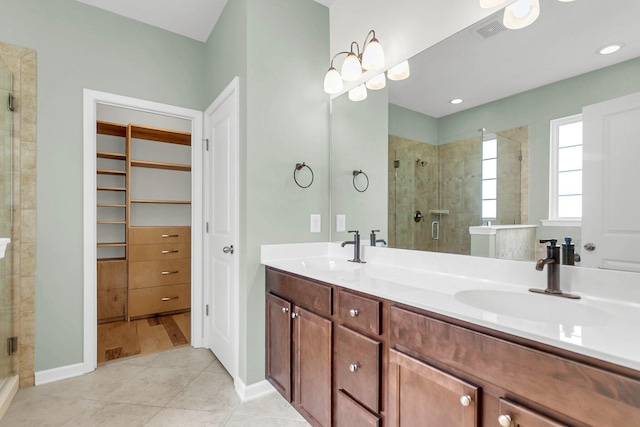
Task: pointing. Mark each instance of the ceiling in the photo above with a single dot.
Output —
(191, 18)
(562, 43)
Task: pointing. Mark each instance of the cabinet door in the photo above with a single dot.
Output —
(421, 395)
(279, 345)
(350, 414)
(312, 343)
(513, 415)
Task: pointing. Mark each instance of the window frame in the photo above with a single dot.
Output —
(554, 157)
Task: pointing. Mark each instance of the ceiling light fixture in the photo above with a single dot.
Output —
(518, 14)
(455, 101)
(610, 48)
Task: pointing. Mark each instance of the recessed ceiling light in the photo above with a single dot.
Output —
(611, 48)
(456, 101)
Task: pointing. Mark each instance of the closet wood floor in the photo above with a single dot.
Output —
(143, 336)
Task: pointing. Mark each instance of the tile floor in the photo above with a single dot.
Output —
(182, 387)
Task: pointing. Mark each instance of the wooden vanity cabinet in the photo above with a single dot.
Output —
(299, 344)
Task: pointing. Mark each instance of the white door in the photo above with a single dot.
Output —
(221, 238)
(611, 174)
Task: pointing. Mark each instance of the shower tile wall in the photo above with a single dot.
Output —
(22, 63)
(451, 181)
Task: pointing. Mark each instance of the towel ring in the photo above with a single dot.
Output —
(299, 166)
(355, 174)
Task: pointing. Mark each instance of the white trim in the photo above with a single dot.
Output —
(7, 393)
(561, 222)
(91, 99)
(253, 391)
(553, 168)
(61, 373)
(232, 90)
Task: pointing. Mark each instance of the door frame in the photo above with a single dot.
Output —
(91, 99)
(231, 90)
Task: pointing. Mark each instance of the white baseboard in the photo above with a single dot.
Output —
(252, 391)
(7, 393)
(61, 373)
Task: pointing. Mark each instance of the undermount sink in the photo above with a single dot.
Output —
(330, 265)
(538, 308)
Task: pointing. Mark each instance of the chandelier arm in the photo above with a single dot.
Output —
(364, 45)
(336, 55)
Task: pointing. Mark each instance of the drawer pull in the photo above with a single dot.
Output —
(164, 273)
(169, 298)
(285, 309)
(504, 420)
(465, 400)
(165, 236)
(353, 312)
(170, 252)
(353, 367)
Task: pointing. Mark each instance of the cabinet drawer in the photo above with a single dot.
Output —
(112, 274)
(521, 416)
(159, 299)
(155, 235)
(350, 413)
(359, 312)
(358, 367)
(159, 252)
(305, 293)
(145, 274)
(111, 304)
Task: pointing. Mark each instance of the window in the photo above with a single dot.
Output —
(489, 176)
(565, 180)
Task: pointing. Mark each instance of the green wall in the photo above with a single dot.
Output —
(412, 125)
(79, 47)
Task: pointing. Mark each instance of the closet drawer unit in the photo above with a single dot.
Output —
(158, 235)
(357, 367)
(350, 413)
(359, 312)
(159, 252)
(112, 274)
(146, 274)
(160, 299)
(111, 304)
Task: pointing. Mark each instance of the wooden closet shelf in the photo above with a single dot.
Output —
(110, 172)
(111, 189)
(112, 222)
(109, 128)
(162, 202)
(160, 135)
(113, 156)
(111, 205)
(111, 259)
(161, 165)
(112, 245)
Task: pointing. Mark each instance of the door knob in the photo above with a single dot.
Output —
(590, 247)
(228, 249)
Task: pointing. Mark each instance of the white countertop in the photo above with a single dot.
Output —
(604, 323)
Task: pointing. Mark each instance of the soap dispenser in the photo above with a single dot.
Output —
(569, 255)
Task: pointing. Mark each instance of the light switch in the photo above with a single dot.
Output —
(316, 223)
(341, 223)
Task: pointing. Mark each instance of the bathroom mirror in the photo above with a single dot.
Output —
(511, 83)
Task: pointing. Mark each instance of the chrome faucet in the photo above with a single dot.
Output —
(552, 261)
(372, 238)
(356, 246)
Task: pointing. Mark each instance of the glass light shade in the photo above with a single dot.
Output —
(521, 14)
(358, 93)
(351, 68)
(376, 83)
(399, 72)
(333, 82)
(373, 56)
(488, 4)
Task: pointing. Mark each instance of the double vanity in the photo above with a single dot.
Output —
(413, 338)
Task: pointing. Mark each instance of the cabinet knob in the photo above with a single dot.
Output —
(465, 400)
(353, 367)
(294, 315)
(353, 312)
(504, 420)
(285, 309)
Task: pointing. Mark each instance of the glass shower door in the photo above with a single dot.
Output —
(6, 220)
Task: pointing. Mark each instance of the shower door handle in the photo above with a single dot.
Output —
(435, 230)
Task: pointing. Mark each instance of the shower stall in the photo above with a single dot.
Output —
(7, 380)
